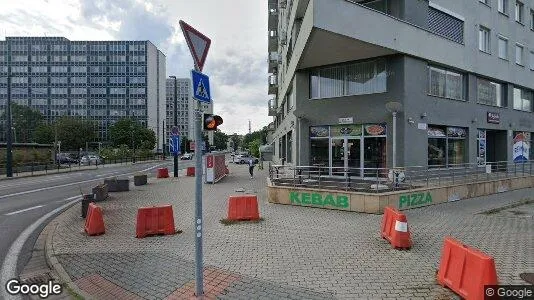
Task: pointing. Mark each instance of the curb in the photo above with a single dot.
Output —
(507, 206)
(39, 175)
(54, 264)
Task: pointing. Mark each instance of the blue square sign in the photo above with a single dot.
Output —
(201, 86)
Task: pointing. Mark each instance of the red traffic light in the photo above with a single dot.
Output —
(211, 121)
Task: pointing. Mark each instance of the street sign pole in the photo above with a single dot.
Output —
(198, 45)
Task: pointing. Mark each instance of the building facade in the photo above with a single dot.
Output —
(461, 74)
(181, 87)
(101, 81)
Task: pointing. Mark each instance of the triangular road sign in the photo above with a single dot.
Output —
(198, 44)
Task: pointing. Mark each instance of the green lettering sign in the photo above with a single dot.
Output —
(329, 200)
(316, 199)
(343, 201)
(305, 197)
(415, 199)
(294, 197)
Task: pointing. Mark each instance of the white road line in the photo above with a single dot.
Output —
(9, 267)
(72, 183)
(23, 210)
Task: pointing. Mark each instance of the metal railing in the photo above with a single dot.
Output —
(34, 168)
(378, 180)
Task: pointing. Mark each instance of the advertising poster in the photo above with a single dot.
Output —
(375, 129)
(521, 148)
(319, 131)
(348, 130)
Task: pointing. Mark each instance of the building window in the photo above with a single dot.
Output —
(503, 47)
(39, 91)
(532, 19)
(532, 60)
(354, 79)
(522, 99)
(58, 80)
(19, 80)
(380, 5)
(519, 11)
(446, 146)
(503, 6)
(446, 83)
(489, 92)
(19, 58)
(519, 54)
(484, 39)
(289, 155)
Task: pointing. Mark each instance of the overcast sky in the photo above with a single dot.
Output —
(236, 63)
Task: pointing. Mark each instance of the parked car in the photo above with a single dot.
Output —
(91, 160)
(187, 156)
(244, 159)
(65, 158)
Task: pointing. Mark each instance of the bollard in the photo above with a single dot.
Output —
(87, 198)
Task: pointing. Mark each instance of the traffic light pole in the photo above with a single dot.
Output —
(199, 277)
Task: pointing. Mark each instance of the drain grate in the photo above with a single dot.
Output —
(528, 277)
(43, 278)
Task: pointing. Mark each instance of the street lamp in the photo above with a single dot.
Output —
(175, 154)
(394, 107)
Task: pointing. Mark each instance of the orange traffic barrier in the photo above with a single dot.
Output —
(155, 220)
(190, 171)
(395, 228)
(466, 270)
(94, 222)
(243, 207)
(163, 173)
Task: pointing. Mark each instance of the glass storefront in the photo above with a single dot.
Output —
(348, 149)
(446, 146)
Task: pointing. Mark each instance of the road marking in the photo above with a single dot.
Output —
(9, 267)
(72, 183)
(23, 210)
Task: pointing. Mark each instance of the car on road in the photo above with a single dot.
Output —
(187, 156)
(65, 158)
(91, 160)
(244, 159)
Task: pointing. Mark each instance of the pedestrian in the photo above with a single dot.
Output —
(251, 168)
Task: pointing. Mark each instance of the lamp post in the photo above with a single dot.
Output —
(175, 154)
(394, 107)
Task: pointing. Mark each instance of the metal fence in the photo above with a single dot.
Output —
(378, 180)
(34, 168)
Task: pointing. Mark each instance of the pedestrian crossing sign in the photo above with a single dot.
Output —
(201, 86)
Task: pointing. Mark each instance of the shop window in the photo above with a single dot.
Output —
(522, 99)
(446, 146)
(521, 147)
(481, 149)
(289, 155)
(319, 151)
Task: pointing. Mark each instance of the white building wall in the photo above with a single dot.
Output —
(162, 71)
(152, 88)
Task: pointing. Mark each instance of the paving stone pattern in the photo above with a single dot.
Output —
(295, 252)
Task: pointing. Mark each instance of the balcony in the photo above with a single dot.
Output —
(273, 40)
(273, 60)
(272, 107)
(273, 84)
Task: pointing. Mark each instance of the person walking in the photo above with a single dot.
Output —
(251, 168)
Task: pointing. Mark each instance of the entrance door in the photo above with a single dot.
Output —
(374, 155)
(354, 156)
(338, 152)
(346, 155)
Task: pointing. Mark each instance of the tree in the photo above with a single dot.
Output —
(74, 132)
(24, 122)
(44, 134)
(254, 148)
(236, 141)
(131, 133)
(220, 139)
(184, 145)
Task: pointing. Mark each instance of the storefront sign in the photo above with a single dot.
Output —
(341, 130)
(422, 126)
(521, 148)
(348, 120)
(456, 132)
(375, 129)
(323, 200)
(494, 118)
(414, 199)
(319, 131)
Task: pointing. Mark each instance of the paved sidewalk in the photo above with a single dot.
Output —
(294, 253)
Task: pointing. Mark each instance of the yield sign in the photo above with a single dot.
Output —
(198, 44)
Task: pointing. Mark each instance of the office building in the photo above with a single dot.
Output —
(101, 81)
(461, 72)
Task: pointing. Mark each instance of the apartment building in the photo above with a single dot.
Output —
(458, 76)
(181, 87)
(98, 80)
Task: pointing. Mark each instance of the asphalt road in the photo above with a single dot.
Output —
(25, 200)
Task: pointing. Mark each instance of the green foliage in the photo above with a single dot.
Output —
(220, 139)
(129, 132)
(236, 140)
(74, 132)
(24, 122)
(260, 135)
(44, 134)
(254, 148)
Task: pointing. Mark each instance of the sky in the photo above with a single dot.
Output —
(236, 62)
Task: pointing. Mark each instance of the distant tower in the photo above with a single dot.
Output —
(249, 128)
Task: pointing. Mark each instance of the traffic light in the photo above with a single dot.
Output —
(211, 121)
